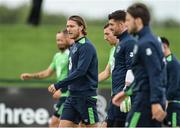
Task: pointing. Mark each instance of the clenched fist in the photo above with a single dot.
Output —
(25, 76)
(51, 88)
(157, 112)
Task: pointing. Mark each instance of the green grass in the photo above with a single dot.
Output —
(30, 49)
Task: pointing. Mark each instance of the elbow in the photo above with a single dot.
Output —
(107, 74)
(81, 72)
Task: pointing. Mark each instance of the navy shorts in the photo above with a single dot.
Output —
(173, 115)
(140, 114)
(59, 107)
(80, 109)
(115, 118)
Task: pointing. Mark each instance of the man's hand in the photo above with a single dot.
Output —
(57, 94)
(25, 76)
(102, 124)
(157, 112)
(52, 89)
(118, 98)
(125, 105)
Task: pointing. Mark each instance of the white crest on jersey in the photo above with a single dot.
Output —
(118, 49)
(148, 51)
(135, 49)
(70, 63)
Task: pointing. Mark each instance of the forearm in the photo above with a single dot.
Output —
(39, 75)
(42, 74)
(76, 75)
(103, 76)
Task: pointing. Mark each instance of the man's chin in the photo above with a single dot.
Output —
(71, 36)
(62, 49)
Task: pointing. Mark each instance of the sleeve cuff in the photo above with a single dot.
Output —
(56, 86)
(127, 90)
(155, 101)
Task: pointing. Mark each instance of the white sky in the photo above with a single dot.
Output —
(162, 9)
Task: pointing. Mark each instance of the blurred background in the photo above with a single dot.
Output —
(27, 37)
(25, 47)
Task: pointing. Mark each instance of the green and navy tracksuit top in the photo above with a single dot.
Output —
(83, 69)
(149, 67)
(123, 59)
(173, 79)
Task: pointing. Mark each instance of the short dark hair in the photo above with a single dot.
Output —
(64, 31)
(106, 25)
(164, 40)
(80, 21)
(139, 10)
(118, 15)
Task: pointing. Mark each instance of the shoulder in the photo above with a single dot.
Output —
(67, 51)
(57, 54)
(148, 41)
(112, 49)
(60, 55)
(131, 38)
(172, 61)
(129, 41)
(86, 44)
(146, 48)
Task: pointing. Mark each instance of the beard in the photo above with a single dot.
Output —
(132, 30)
(62, 49)
(76, 36)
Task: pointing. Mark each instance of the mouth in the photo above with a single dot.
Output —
(70, 33)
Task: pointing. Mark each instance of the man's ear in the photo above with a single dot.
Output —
(138, 21)
(81, 27)
(165, 45)
(120, 23)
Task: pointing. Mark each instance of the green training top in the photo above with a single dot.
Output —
(111, 58)
(60, 64)
(111, 61)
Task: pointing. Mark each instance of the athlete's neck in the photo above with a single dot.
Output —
(79, 37)
(167, 53)
(125, 29)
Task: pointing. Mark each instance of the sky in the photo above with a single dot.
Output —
(94, 9)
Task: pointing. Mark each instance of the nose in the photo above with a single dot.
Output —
(126, 23)
(59, 45)
(110, 27)
(68, 28)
